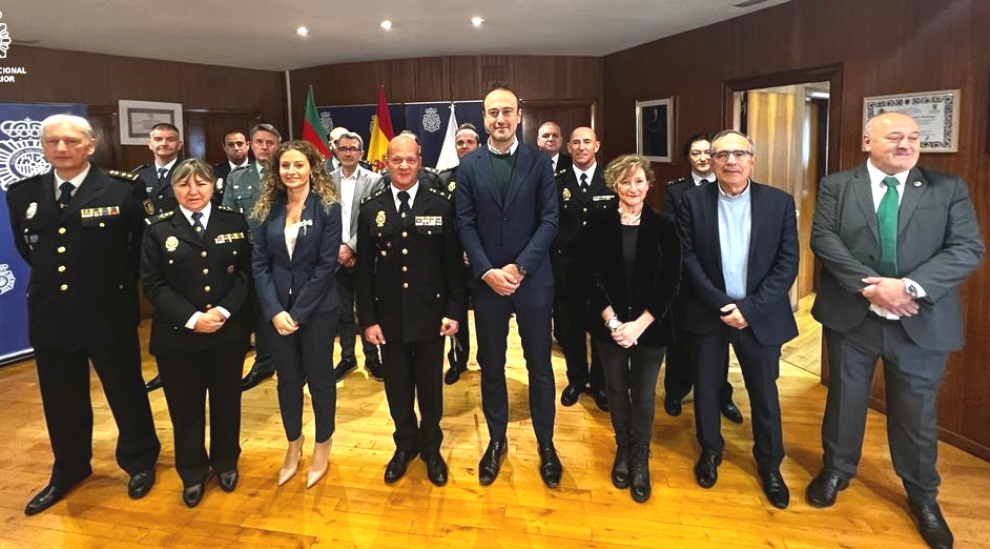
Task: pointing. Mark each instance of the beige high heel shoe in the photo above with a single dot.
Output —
(321, 462)
(292, 456)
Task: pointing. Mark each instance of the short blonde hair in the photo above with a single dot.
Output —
(620, 168)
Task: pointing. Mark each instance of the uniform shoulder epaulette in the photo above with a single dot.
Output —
(373, 196)
(244, 167)
(447, 170)
(25, 180)
(141, 167)
(560, 172)
(434, 171)
(223, 208)
(160, 217)
(675, 181)
(440, 192)
(126, 176)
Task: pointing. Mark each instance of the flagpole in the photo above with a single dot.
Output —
(288, 103)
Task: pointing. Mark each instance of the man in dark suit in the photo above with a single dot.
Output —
(549, 141)
(243, 190)
(895, 242)
(235, 146)
(740, 257)
(466, 140)
(678, 378)
(79, 227)
(165, 143)
(410, 293)
(581, 191)
(507, 219)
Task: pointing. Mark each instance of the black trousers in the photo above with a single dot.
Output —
(631, 378)
(463, 335)
(760, 366)
(262, 353)
(305, 357)
(413, 377)
(570, 327)
(533, 314)
(63, 377)
(678, 378)
(912, 377)
(188, 378)
(347, 327)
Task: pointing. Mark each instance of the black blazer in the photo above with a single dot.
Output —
(161, 196)
(575, 209)
(303, 285)
(184, 273)
(771, 269)
(656, 273)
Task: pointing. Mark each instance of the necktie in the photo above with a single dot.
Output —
(198, 224)
(65, 193)
(161, 177)
(887, 223)
(584, 182)
(405, 211)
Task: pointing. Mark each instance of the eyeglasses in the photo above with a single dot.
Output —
(349, 149)
(722, 156)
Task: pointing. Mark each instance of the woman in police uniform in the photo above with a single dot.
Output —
(195, 262)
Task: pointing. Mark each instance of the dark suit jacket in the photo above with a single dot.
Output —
(656, 273)
(303, 285)
(84, 258)
(184, 273)
(564, 162)
(519, 229)
(771, 270)
(938, 246)
(409, 277)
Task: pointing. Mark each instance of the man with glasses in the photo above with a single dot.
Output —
(243, 190)
(678, 379)
(740, 257)
(235, 146)
(354, 184)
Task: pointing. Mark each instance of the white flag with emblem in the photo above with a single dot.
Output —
(448, 153)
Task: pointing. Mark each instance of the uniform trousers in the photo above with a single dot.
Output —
(570, 328)
(347, 327)
(413, 377)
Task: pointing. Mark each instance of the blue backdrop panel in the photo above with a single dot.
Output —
(20, 157)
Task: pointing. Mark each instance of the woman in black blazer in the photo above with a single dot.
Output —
(195, 262)
(634, 257)
(295, 258)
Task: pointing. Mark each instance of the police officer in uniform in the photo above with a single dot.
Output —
(465, 140)
(196, 266)
(79, 227)
(165, 143)
(581, 190)
(409, 294)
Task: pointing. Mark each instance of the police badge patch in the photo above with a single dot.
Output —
(380, 218)
(171, 244)
(7, 279)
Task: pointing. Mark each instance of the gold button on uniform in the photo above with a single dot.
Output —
(405, 284)
(206, 288)
(63, 287)
(61, 268)
(405, 269)
(61, 249)
(405, 251)
(61, 230)
(203, 253)
(404, 234)
(206, 271)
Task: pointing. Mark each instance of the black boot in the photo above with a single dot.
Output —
(639, 464)
(620, 469)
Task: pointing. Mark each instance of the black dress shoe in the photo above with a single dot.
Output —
(550, 467)
(254, 378)
(48, 496)
(154, 384)
(228, 480)
(375, 369)
(620, 468)
(931, 524)
(452, 376)
(343, 368)
(396, 467)
(436, 469)
(192, 495)
(731, 413)
(491, 461)
(601, 399)
(140, 484)
(570, 395)
(672, 406)
(639, 465)
(775, 489)
(825, 487)
(706, 470)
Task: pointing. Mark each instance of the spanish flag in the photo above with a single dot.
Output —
(312, 129)
(381, 133)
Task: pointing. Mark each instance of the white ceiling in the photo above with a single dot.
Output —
(262, 35)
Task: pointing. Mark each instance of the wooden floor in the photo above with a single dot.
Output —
(352, 507)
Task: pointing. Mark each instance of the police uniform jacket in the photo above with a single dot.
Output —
(410, 276)
(575, 208)
(84, 258)
(160, 197)
(184, 273)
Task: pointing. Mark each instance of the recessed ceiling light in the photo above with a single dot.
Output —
(477, 21)
(387, 25)
(302, 31)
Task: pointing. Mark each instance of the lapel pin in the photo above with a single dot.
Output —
(917, 183)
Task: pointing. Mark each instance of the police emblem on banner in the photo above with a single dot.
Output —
(431, 120)
(20, 151)
(7, 279)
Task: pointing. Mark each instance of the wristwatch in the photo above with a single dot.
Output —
(911, 289)
(520, 268)
(613, 323)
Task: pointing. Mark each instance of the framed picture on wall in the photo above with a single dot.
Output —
(937, 114)
(655, 129)
(138, 117)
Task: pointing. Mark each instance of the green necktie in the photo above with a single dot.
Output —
(887, 222)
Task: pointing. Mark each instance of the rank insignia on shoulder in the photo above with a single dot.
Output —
(160, 217)
(566, 194)
(373, 196)
(128, 176)
(434, 171)
(560, 172)
(441, 193)
(673, 181)
(228, 209)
